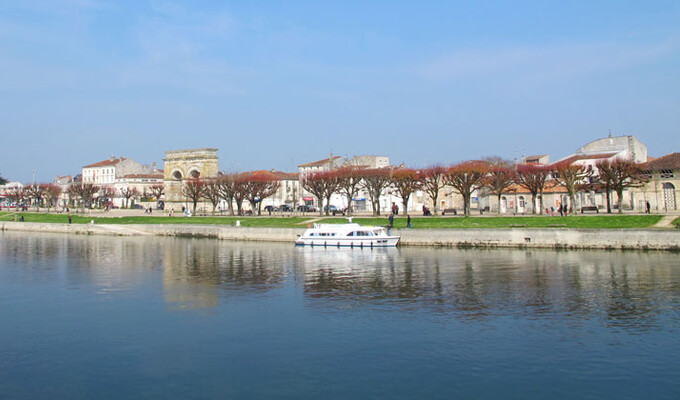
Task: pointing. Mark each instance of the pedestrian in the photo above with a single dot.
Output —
(391, 220)
(70, 218)
(559, 208)
(408, 221)
(647, 208)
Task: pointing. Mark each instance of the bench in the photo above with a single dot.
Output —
(590, 208)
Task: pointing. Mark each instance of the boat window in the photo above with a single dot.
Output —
(350, 234)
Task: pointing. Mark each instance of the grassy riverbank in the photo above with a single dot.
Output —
(489, 222)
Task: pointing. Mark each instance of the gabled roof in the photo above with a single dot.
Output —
(668, 162)
(319, 163)
(110, 162)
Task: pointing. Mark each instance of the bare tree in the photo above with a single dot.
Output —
(52, 193)
(15, 195)
(35, 192)
(405, 181)
(574, 178)
(498, 180)
(318, 184)
(349, 183)
(129, 193)
(226, 184)
(83, 191)
(466, 177)
(157, 190)
(618, 175)
(532, 178)
(258, 186)
(433, 182)
(374, 182)
(105, 193)
(194, 190)
(212, 193)
(332, 185)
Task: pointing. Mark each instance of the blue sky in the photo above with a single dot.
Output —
(275, 84)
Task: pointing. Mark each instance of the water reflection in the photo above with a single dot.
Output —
(620, 289)
(624, 289)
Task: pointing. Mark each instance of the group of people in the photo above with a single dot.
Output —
(390, 219)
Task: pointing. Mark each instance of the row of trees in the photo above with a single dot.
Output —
(494, 175)
(47, 194)
(234, 188)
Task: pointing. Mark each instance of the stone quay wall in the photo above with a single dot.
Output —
(623, 239)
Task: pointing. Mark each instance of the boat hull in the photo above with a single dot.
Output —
(377, 241)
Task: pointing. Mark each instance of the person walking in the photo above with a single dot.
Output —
(408, 221)
(391, 220)
(70, 218)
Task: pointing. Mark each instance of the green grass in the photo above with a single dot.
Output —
(587, 222)
(275, 222)
(580, 222)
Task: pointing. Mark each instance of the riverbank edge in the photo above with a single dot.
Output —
(522, 238)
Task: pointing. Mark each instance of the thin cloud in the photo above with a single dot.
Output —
(544, 62)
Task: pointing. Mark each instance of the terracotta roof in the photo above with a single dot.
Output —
(319, 163)
(550, 187)
(109, 162)
(669, 161)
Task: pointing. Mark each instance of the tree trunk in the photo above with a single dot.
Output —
(609, 206)
(499, 202)
(619, 201)
(542, 202)
(404, 202)
(231, 206)
(349, 205)
(533, 203)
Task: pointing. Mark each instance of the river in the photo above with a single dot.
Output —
(85, 317)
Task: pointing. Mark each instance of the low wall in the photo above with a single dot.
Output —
(637, 239)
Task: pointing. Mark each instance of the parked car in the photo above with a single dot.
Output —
(285, 208)
(270, 209)
(334, 210)
(305, 208)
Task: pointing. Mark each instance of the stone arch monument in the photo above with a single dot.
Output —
(180, 165)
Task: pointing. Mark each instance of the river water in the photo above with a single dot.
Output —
(96, 317)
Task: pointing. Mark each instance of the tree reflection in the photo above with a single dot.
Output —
(622, 290)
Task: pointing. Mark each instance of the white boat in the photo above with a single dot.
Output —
(347, 235)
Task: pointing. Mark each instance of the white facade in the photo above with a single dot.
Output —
(106, 172)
